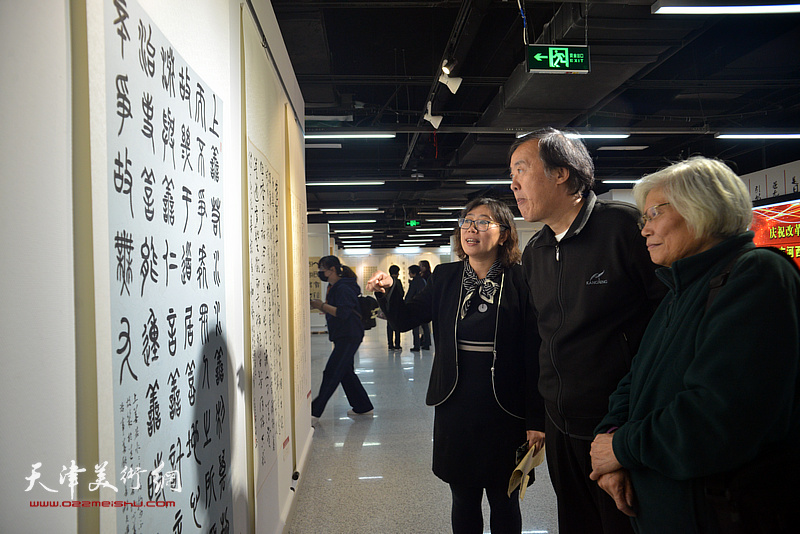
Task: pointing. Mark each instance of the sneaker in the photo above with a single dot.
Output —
(314, 421)
(351, 412)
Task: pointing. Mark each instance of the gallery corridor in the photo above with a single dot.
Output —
(373, 474)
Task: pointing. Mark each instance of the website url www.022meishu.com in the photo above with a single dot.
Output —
(101, 504)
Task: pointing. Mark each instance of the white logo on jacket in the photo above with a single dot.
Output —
(596, 279)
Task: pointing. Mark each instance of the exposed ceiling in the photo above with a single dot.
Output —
(672, 81)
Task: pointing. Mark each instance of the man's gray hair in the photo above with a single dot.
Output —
(714, 201)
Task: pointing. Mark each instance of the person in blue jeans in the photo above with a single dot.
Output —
(346, 332)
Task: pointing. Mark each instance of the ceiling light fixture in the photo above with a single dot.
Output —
(330, 118)
(348, 209)
(758, 136)
(621, 181)
(354, 182)
(488, 182)
(624, 147)
(435, 120)
(597, 136)
(441, 220)
(725, 7)
(324, 145)
(448, 65)
(351, 135)
(354, 231)
(452, 82)
(451, 208)
(354, 221)
(574, 135)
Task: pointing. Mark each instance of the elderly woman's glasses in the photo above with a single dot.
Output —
(651, 213)
(481, 225)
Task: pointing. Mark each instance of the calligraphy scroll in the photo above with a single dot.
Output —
(170, 359)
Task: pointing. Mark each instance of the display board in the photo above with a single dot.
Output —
(266, 350)
(776, 223)
(773, 182)
(171, 368)
(268, 241)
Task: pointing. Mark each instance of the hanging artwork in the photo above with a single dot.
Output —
(267, 358)
(171, 370)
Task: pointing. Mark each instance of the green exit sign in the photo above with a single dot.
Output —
(558, 59)
(412, 222)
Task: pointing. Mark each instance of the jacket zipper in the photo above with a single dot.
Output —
(494, 347)
(559, 288)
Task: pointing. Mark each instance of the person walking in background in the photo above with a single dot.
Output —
(415, 286)
(594, 290)
(346, 331)
(392, 333)
(484, 371)
(714, 388)
(425, 273)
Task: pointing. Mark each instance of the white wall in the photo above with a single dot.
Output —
(37, 385)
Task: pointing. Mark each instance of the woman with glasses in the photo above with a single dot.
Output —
(484, 376)
(712, 395)
(346, 331)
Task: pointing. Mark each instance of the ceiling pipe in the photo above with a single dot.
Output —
(470, 15)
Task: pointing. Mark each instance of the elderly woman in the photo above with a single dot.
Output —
(484, 372)
(714, 386)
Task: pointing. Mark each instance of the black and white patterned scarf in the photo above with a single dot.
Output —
(486, 288)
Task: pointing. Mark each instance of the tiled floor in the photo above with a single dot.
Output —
(373, 474)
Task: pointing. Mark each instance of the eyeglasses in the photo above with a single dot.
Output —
(481, 225)
(651, 213)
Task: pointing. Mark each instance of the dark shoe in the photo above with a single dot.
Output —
(426, 348)
(398, 347)
(415, 349)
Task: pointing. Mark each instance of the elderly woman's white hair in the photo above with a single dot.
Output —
(706, 192)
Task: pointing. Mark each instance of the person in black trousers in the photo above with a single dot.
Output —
(484, 370)
(346, 332)
(425, 273)
(393, 334)
(415, 286)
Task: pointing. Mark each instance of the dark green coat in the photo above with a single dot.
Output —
(708, 391)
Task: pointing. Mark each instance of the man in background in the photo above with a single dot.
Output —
(392, 334)
(415, 285)
(425, 272)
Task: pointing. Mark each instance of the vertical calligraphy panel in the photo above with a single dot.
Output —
(269, 420)
(170, 359)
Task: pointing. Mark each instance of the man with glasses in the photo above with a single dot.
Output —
(594, 290)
